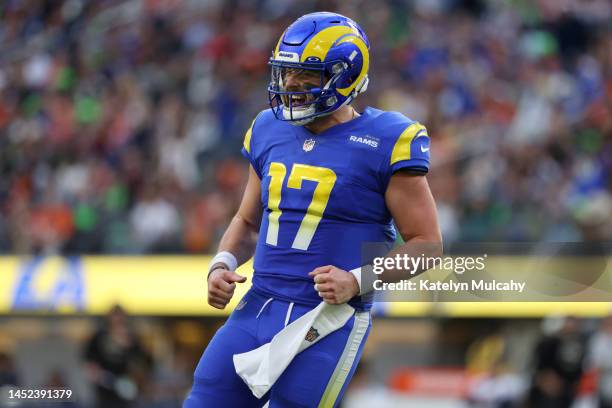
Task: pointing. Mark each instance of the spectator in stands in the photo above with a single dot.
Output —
(116, 363)
(601, 361)
(558, 361)
(8, 376)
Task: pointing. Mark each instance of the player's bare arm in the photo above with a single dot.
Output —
(412, 206)
(239, 239)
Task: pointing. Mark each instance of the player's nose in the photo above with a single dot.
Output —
(293, 82)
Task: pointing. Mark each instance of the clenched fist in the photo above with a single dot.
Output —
(221, 286)
(334, 285)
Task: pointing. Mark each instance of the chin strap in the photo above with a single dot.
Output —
(291, 116)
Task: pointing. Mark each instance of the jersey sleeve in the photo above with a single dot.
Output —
(411, 150)
(249, 149)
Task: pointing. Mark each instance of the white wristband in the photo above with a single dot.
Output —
(357, 274)
(225, 257)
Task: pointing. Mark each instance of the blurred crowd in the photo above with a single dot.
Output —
(121, 121)
(127, 362)
(569, 365)
(118, 361)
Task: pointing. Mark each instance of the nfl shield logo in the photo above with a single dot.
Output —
(308, 145)
(312, 335)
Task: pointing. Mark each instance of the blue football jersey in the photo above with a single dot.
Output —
(323, 195)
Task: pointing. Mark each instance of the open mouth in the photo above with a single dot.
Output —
(298, 100)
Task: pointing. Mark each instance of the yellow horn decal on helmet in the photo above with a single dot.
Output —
(359, 43)
(319, 45)
(280, 40)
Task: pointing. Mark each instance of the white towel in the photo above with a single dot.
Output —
(260, 368)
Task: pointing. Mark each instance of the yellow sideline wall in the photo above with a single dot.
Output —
(175, 285)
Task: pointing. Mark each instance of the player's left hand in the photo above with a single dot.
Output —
(334, 285)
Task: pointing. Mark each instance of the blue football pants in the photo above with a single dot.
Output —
(317, 377)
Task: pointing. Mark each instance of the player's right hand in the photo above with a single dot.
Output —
(221, 286)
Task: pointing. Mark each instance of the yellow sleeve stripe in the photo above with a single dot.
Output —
(401, 150)
(247, 138)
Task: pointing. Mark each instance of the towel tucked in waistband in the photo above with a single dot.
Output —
(260, 368)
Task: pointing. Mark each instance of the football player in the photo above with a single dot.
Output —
(324, 179)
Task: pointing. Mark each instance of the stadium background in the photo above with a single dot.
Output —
(120, 129)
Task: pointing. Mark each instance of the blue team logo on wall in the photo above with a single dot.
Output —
(49, 284)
